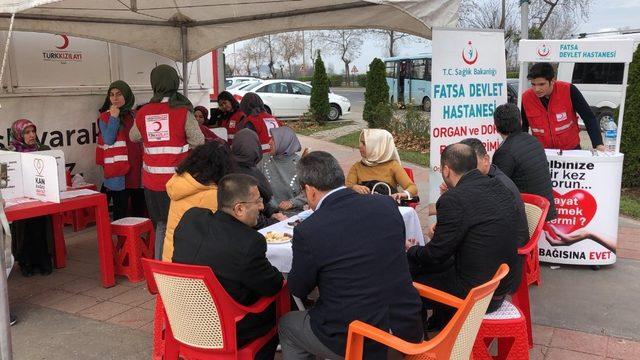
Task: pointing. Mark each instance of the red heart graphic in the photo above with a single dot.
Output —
(575, 210)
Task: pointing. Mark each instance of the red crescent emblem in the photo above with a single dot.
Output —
(470, 61)
(65, 44)
(159, 125)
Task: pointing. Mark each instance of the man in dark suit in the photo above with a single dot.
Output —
(352, 249)
(476, 228)
(226, 241)
(521, 156)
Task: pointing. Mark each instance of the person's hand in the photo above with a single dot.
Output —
(398, 196)
(431, 230)
(556, 237)
(114, 111)
(279, 216)
(285, 205)
(600, 148)
(361, 189)
(409, 243)
(443, 187)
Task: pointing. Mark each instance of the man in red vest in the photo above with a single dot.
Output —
(167, 128)
(549, 107)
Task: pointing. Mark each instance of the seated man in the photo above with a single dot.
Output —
(351, 248)
(226, 241)
(476, 225)
(521, 156)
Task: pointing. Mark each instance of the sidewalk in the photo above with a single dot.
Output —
(579, 313)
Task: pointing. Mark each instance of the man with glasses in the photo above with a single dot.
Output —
(226, 241)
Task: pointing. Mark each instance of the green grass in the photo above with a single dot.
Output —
(411, 156)
(630, 205)
(312, 128)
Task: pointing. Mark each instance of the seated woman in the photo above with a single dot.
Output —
(279, 167)
(258, 119)
(380, 163)
(228, 115)
(247, 154)
(195, 185)
(123, 168)
(202, 117)
(32, 237)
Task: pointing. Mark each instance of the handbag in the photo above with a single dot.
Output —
(382, 188)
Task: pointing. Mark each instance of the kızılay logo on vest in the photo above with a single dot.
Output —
(469, 54)
(543, 50)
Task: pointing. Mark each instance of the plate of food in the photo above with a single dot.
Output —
(275, 237)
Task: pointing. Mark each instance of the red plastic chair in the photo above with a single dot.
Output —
(409, 172)
(511, 324)
(199, 317)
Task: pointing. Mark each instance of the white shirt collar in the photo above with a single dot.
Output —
(165, 99)
(327, 194)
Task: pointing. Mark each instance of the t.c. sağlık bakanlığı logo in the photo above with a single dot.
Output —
(543, 50)
(469, 54)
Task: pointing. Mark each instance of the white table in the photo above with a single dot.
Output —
(280, 255)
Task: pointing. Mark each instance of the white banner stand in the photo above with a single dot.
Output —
(586, 184)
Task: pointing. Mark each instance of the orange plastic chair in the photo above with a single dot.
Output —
(512, 322)
(455, 341)
(199, 317)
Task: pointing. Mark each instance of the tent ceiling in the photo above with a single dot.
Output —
(156, 25)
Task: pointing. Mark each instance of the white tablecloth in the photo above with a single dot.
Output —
(280, 255)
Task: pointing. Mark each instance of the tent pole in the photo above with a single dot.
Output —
(185, 68)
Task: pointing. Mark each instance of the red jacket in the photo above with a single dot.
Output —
(164, 141)
(263, 123)
(122, 162)
(231, 124)
(556, 126)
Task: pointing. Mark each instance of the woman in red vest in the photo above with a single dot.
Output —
(121, 159)
(201, 114)
(258, 119)
(167, 128)
(230, 115)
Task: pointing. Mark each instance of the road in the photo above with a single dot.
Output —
(355, 95)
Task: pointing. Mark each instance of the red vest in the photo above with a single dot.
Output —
(556, 126)
(113, 158)
(232, 125)
(263, 123)
(164, 141)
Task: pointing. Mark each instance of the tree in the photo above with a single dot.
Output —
(346, 44)
(376, 93)
(629, 144)
(269, 45)
(319, 103)
(391, 38)
(291, 47)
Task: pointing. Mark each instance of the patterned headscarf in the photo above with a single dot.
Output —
(17, 136)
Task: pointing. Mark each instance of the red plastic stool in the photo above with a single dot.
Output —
(509, 327)
(132, 245)
(80, 218)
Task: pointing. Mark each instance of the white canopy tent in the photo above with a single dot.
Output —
(184, 30)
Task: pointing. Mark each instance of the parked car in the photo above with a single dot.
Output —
(512, 91)
(290, 98)
(232, 82)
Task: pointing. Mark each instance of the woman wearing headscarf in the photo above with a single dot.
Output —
(247, 154)
(258, 119)
(380, 163)
(32, 237)
(229, 114)
(279, 167)
(120, 158)
(168, 130)
(201, 114)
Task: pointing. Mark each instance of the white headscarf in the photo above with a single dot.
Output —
(379, 147)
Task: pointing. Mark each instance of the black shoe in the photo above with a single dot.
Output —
(12, 319)
(46, 269)
(26, 270)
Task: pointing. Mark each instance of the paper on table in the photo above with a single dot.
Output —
(75, 193)
(17, 201)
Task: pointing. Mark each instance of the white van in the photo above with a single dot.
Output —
(600, 83)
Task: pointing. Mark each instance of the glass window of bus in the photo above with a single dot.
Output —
(391, 69)
(418, 69)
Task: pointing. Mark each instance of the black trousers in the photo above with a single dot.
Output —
(121, 203)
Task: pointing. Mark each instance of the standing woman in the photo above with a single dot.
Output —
(279, 167)
(32, 237)
(168, 130)
(120, 158)
(258, 119)
(229, 115)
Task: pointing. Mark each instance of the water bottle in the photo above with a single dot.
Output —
(610, 134)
